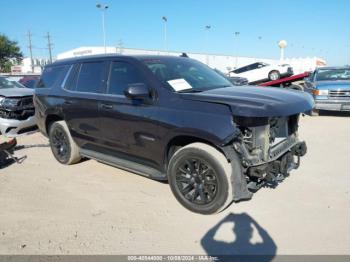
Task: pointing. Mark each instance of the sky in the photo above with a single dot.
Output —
(311, 28)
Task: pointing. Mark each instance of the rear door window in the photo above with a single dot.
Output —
(53, 76)
(91, 77)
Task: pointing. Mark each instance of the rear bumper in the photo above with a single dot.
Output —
(333, 105)
(14, 127)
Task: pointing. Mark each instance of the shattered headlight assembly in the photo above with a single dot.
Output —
(9, 102)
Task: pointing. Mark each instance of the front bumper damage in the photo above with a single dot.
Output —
(14, 127)
(255, 174)
(19, 118)
(264, 159)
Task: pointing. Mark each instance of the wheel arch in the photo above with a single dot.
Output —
(50, 119)
(182, 140)
(274, 70)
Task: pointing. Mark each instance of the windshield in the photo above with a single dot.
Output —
(333, 74)
(196, 76)
(4, 83)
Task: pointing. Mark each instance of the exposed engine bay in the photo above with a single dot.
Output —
(269, 148)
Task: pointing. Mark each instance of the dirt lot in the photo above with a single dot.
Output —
(92, 208)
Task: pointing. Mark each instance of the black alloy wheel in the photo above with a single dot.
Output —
(60, 144)
(197, 181)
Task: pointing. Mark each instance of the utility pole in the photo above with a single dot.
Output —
(236, 34)
(207, 28)
(165, 19)
(103, 9)
(49, 46)
(30, 47)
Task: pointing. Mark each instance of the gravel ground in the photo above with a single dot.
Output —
(92, 208)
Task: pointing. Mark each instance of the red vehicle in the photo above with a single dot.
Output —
(29, 81)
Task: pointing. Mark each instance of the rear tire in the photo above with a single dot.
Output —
(64, 149)
(200, 177)
(274, 75)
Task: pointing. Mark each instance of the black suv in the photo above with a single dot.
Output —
(172, 118)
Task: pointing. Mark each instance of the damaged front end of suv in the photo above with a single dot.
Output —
(17, 113)
(269, 148)
(265, 137)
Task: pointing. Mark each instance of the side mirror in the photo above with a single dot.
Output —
(137, 91)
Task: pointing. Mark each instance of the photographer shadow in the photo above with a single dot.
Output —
(241, 249)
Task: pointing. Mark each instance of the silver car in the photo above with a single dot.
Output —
(16, 109)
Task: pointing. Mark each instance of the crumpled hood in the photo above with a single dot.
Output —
(333, 85)
(251, 101)
(16, 92)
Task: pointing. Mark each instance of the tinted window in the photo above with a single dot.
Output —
(240, 70)
(71, 82)
(121, 75)
(254, 66)
(90, 77)
(52, 76)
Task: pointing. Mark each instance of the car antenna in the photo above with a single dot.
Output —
(183, 55)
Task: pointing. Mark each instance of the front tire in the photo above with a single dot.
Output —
(200, 177)
(274, 75)
(62, 145)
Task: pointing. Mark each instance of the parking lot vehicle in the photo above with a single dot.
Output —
(16, 109)
(171, 118)
(330, 87)
(258, 72)
(29, 81)
(235, 80)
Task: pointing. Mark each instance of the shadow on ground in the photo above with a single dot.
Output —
(7, 160)
(241, 249)
(20, 147)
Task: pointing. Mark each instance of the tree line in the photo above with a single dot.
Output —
(10, 53)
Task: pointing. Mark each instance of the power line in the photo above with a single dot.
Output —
(30, 47)
(49, 45)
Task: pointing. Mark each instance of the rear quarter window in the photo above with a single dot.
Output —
(52, 76)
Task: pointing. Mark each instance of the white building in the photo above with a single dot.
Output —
(221, 62)
(26, 66)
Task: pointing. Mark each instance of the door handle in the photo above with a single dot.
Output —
(107, 106)
(68, 102)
